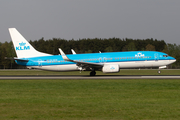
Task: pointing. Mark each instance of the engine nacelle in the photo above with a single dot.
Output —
(110, 68)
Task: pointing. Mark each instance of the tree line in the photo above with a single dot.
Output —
(91, 46)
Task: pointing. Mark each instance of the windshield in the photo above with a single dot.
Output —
(165, 55)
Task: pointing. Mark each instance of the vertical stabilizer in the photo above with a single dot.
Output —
(22, 47)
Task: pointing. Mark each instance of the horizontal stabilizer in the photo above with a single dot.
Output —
(22, 60)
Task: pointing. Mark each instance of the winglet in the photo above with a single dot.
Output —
(63, 55)
(73, 52)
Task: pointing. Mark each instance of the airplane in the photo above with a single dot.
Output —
(108, 62)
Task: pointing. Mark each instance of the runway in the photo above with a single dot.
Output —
(78, 77)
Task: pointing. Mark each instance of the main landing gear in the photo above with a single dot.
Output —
(92, 73)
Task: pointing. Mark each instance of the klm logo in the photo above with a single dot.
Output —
(139, 55)
(112, 68)
(22, 46)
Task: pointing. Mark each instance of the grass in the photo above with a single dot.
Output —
(90, 99)
(122, 72)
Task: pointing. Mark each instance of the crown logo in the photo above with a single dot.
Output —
(22, 44)
(139, 55)
(112, 68)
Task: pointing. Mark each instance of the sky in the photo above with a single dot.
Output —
(78, 19)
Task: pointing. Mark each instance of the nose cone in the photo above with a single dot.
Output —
(172, 60)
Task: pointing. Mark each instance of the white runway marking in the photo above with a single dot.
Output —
(85, 77)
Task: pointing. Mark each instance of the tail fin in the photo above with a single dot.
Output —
(22, 47)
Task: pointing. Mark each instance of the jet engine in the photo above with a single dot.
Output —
(110, 68)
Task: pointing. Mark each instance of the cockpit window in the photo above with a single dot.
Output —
(165, 55)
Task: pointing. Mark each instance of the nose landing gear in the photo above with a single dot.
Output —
(162, 67)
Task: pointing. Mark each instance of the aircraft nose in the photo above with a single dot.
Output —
(173, 60)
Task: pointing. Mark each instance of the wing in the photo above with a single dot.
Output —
(87, 65)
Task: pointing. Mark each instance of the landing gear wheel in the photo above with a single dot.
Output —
(159, 72)
(92, 73)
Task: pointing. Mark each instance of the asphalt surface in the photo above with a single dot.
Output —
(78, 77)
